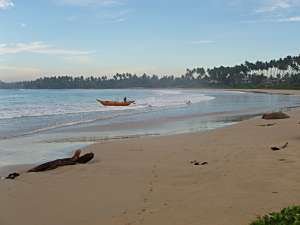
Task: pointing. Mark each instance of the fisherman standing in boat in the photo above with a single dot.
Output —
(125, 99)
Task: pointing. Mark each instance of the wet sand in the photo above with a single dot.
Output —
(151, 181)
(269, 91)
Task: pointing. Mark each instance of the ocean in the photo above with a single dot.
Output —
(39, 125)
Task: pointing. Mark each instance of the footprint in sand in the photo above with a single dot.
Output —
(147, 199)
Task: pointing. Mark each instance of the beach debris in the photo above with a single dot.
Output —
(275, 116)
(188, 102)
(12, 176)
(275, 148)
(75, 159)
(267, 125)
(197, 163)
(85, 158)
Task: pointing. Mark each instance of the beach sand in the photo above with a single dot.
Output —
(151, 181)
(269, 91)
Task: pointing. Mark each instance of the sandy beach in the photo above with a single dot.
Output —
(269, 91)
(151, 181)
(120, 112)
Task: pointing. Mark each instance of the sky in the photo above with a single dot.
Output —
(102, 37)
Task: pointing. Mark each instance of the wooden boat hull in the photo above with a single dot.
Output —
(113, 103)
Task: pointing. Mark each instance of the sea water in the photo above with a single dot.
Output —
(38, 125)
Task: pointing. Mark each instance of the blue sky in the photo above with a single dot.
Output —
(102, 37)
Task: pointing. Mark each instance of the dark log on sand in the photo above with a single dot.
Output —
(75, 159)
(53, 165)
(275, 116)
(64, 162)
(85, 158)
(12, 176)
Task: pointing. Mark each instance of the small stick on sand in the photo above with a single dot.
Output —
(266, 125)
(197, 163)
(275, 148)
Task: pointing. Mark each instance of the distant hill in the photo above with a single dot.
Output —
(282, 73)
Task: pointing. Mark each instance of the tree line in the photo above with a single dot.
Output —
(281, 73)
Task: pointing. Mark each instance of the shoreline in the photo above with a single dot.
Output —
(21, 168)
(268, 91)
(236, 118)
(151, 181)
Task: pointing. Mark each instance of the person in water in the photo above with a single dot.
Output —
(125, 99)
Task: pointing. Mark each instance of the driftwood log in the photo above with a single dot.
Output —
(275, 116)
(12, 176)
(75, 159)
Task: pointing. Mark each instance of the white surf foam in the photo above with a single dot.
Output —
(158, 98)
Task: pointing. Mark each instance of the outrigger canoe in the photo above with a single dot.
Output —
(113, 103)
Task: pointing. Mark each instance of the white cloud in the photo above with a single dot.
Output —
(38, 47)
(71, 18)
(270, 6)
(23, 25)
(290, 19)
(114, 17)
(103, 16)
(90, 2)
(5, 4)
(274, 20)
(201, 42)
(275, 11)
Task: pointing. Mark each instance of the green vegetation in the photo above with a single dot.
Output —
(287, 216)
(282, 74)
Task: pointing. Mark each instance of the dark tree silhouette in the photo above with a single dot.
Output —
(281, 73)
